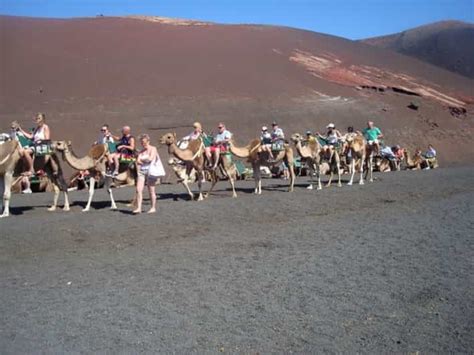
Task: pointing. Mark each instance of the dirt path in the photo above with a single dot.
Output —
(385, 267)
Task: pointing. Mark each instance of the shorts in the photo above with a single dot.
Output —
(375, 141)
(221, 147)
(150, 180)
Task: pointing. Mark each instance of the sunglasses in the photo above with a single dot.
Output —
(220, 127)
(103, 130)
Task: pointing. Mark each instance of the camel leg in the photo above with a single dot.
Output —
(330, 178)
(55, 197)
(232, 178)
(331, 169)
(113, 205)
(371, 168)
(201, 176)
(258, 179)
(351, 171)
(185, 183)
(5, 186)
(311, 172)
(362, 162)
(318, 172)
(66, 201)
(213, 183)
(292, 176)
(91, 194)
(338, 167)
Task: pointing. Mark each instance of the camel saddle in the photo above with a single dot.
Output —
(98, 151)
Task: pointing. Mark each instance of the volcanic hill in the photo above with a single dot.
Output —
(159, 75)
(446, 44)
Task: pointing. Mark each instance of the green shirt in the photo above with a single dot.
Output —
(372, 134)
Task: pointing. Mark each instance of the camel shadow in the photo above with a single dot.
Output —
(174, 196)
(18, 211)
(98, 205)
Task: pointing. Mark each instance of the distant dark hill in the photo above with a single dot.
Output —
(162, 74)
(447, 44)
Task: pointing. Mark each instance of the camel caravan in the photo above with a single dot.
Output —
(115, 161)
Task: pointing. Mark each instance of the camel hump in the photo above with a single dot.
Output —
(254, 142)
(97, 151)
(194, 145)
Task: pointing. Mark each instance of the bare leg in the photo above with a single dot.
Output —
(139, 194)
(28, 158)
(151, 191)
(217, 153)
(207, 151)
(116, 163)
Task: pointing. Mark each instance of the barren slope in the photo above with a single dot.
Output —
(157, 73)
(447, 44)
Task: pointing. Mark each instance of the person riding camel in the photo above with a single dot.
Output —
(373, 135)
(219, 144)
(430, 157)
(331, 139)
(195, 134)
(106, 137)
(278, 139)
(41, 134)
(310, 138)
(350, 134)
(266, 142)
(125, 149)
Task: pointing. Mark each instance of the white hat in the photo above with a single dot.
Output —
(264, 128)
(331, 125)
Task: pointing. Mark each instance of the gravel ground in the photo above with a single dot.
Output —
(385, 267)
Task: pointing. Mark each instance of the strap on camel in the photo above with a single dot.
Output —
(199, 151)
(255, 148)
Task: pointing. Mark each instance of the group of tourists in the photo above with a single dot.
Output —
(150, 168)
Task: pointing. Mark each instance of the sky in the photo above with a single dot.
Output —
(353, 19)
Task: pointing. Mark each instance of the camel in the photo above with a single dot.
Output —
(9, 157)
(193, 157)
(415, 162)
(251, 152)
(10, 165)
(382, 164)
(371, 151)
(95, 162)
(311, 153)
(355, 146)
(334, 161)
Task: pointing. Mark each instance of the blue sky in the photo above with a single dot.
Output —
(353, 19)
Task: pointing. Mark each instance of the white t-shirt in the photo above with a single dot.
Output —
(104, 139)
(223, 137)
(278, 133)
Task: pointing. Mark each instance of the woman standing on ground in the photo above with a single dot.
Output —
(150, 169)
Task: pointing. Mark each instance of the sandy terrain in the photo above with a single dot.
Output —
(385, 267)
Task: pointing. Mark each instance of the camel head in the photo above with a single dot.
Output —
(168, 138)
(61, 146)
(296, 137)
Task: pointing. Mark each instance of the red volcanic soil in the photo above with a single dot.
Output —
(447, 44)
(160, 74)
